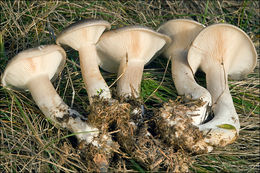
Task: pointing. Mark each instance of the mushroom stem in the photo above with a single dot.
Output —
(53, 107)
(186, 85)
(224, 127)
(221, 50)
(129, 83)
(47, 98)
(223, 106)
(93, 79)
(222, 99)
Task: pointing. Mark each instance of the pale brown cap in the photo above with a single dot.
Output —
(82, 32)
(43, 60)
(223, 44)
(136, 41)
(182, 32)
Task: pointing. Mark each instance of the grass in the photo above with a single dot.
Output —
(29, 142)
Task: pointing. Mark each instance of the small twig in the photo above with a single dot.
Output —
(65, 89)
(50, 29)
(116, 131)
(163, 154)
(161, 80)
(72, 87)
(73, 63)
(158, 162)
(126, 62)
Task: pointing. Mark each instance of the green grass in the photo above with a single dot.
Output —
(29, 142)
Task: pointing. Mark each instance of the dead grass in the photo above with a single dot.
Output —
(29, 143)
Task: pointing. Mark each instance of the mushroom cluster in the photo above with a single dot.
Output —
(219, 50)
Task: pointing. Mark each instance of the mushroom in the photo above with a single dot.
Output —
(32, 70)
(126, 51)
(83, 36)
(182, 33)
(222, 50)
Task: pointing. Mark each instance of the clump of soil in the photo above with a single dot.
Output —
(124, 122)
(118, 121)
(175, 128)
(95, 158)
(155, 155)
(163, 142)
(103, 115)
(136, 139)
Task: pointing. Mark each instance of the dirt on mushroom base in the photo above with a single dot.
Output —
(111, 118)
(139, 142)
(175, 128)
(155, 155)
(129, 127)
(102, 115)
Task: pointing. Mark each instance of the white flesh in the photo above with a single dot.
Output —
(95, 83)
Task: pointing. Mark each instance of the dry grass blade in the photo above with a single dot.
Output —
(169, 59)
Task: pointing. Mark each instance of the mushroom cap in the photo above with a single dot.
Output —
(138, 42)
(223, 44)
(43, 60)
(82, 32)
(182, 32)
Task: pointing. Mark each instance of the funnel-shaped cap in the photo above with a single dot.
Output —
(137, 41)
(223, 44)
(43, 60)
(182, 33)
(82, 33)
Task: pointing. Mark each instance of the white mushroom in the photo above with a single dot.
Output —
(83, 36)
(221, 50)
(182, 33)
(126, 51)
(32, 70)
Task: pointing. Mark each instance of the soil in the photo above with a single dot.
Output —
(175, 128)
(161, 139)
